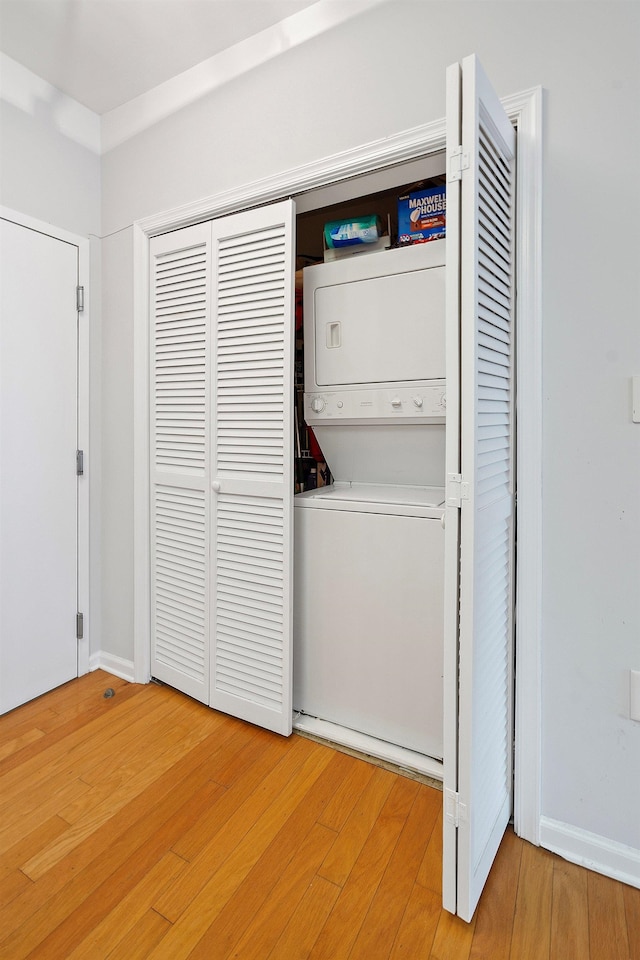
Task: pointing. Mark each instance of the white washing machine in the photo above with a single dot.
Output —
(369, 550)
(368, 611)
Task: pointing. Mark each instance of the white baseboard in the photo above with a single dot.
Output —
(112, 664)
(613, 859)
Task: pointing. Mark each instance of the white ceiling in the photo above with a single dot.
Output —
(104, 53)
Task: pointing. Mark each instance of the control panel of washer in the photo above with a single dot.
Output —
(389, 403)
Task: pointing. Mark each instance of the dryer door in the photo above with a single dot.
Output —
(383, 329)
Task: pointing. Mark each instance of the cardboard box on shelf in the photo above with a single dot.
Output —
(422, 215)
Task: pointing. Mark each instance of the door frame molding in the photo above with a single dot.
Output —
(83, 413)
(525, 111)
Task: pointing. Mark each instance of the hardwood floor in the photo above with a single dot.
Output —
(148, 826)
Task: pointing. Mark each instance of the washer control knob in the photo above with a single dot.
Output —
(396, 402)
(443, 401)
(340, 404)
(318, 404)
(418, 402)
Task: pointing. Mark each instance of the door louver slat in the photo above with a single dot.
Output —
(497, 348)
(234, 672)
(493, 488)
(253, 263)
(492, 693)
(179, 367)
(179, 342)
(180, 615)
(244, 349)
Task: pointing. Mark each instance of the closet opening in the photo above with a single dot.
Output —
(369, 491)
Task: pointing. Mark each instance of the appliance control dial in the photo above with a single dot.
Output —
(396, 402)
(318, 404)
(418, 401)
(443, 401)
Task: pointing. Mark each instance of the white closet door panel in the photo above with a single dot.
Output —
(487, 390)
(251, 673)
(38, 483)
(180, 436)
(452, 511)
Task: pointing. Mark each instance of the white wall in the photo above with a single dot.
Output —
(49, 152)
(380, 74)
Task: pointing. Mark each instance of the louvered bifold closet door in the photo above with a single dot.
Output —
(487, 483)
(180, 295)
(252, 466)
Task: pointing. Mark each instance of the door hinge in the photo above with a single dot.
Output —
(458, 161)
(80, 463)
(454, 811)
(79, 299)
(457, 490)
(79, 626)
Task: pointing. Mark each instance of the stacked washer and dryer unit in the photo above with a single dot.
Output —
(369, 549)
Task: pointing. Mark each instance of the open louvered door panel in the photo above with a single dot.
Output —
(252, 465)
(479, 567)
(180, 272)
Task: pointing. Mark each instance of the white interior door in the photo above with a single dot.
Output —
(180, 298)
(38, 482)
(480, 485)
(252, 465)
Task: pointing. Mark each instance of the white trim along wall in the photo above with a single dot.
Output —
(525, 111)
(617, 860)
(118, 666)
(84, 483)
(134, 116)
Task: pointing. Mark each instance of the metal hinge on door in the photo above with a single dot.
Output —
(80, 463)
(458, 161)
(457, 490)
(79, 299)
(79, 626)
(454, 810)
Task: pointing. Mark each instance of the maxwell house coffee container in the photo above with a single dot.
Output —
(422, 215)
(348, 233)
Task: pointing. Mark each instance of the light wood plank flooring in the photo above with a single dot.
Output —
(148, 826)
